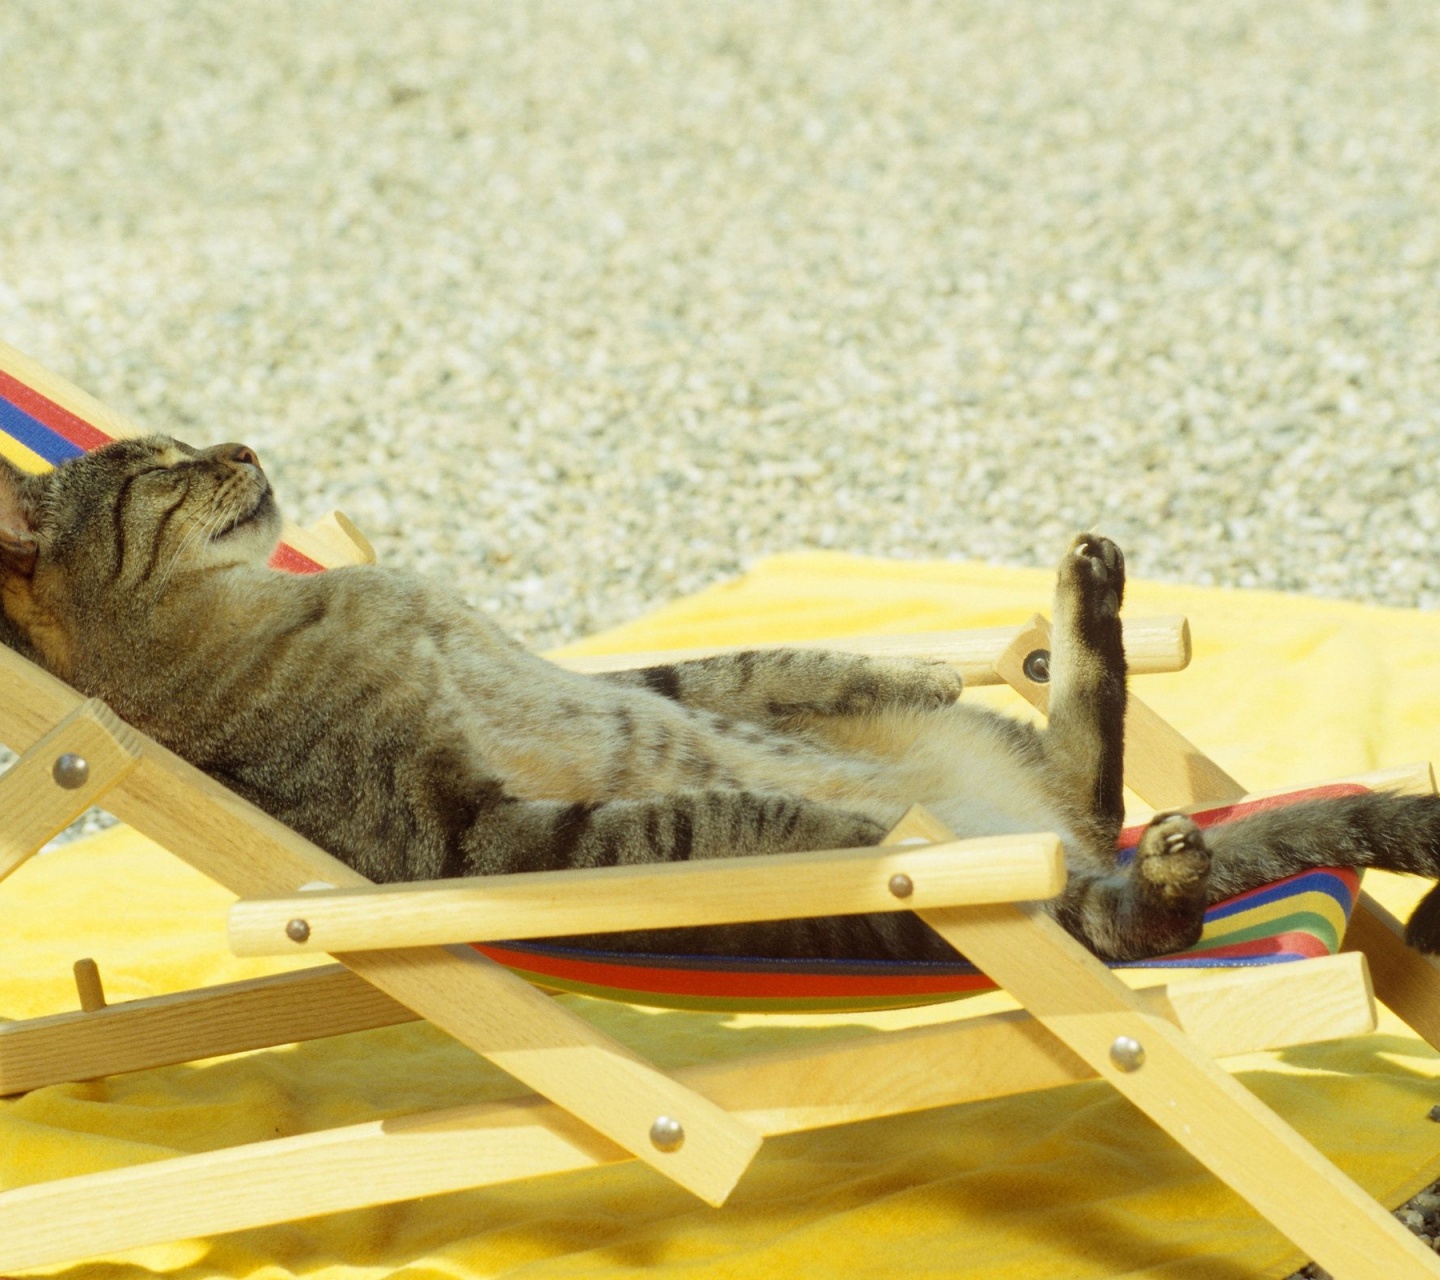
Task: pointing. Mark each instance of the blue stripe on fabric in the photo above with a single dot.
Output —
(1310, 882)
(35, 435)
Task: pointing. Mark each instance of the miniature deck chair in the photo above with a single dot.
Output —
(596, 1101)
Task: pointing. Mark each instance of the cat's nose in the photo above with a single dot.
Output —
(238, 453)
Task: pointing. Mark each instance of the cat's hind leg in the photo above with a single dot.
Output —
(1085, 738)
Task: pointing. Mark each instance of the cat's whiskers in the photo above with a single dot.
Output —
(198, 533)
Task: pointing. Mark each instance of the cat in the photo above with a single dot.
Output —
(414, 739)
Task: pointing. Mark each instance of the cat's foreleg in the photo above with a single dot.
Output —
(1390, 832)
(1085, 737)
(543, 835)
(772, 686)
(1151, 907)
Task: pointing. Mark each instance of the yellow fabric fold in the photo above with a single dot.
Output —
(1070, 1183)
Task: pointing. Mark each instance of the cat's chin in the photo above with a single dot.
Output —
(251, 536)
(263, 515)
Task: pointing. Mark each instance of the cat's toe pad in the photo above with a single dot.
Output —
(1172, 856)
(1097, 566)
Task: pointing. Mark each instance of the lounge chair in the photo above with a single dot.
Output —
(598, 1102)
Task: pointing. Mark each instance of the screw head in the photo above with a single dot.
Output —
(71, 771)
(1127, 1053)
(667, 1134)
(297, 930)
(1037, 666)
(901, 885)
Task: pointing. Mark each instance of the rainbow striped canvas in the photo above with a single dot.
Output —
(1296, 918)
(1293, 919)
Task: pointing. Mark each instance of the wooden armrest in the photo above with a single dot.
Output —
(332, 541)
(615, 899)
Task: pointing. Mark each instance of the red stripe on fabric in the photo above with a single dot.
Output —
(1301, 944)
(76, 430)
(292, 561)
(1233, 812)
(708, 982)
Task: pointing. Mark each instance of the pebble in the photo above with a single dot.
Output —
(589, 306)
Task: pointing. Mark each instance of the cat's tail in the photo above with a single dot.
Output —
(1376, 829)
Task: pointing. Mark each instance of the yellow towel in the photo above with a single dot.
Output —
(1070, 1183)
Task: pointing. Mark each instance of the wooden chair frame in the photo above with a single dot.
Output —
(596, 1101)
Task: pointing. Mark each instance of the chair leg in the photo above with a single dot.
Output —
(1179, 1087)
(1405, 981)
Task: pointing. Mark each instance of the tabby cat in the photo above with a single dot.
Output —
(414, 739)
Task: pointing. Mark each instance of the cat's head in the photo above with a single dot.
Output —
(110, 530)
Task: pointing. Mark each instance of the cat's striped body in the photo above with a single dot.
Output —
(414, 739)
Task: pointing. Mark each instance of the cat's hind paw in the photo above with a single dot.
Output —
(1094, 567)
(1172, 858)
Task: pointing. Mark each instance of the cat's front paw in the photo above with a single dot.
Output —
(1094, 568)
(1172, 858)
(871, 685)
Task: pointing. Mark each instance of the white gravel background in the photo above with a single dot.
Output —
(589, 304)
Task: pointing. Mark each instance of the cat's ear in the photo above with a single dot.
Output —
(19, 544)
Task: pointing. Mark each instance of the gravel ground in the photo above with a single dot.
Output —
(593, 303)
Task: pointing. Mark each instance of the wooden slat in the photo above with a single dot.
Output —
(331, 541)
(1152, 645)
(234, 1017)
(35, 806)
(617, 899)
(799, 1088)
(1404, 979)
(1322, 998)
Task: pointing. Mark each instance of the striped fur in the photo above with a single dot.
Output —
(414, 739)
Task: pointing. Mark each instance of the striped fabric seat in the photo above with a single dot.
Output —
(1292, 919)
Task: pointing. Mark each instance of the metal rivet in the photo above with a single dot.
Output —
(901, 885)
(667, 1134)
(71, 771)
(1037, 666)
(297, 930)
(1127, 1053)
